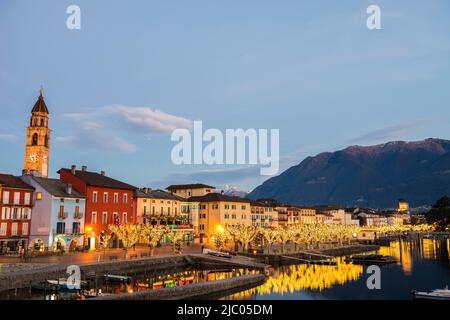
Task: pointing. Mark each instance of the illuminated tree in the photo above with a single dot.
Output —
(219, 240)
(271, 237)
(151, 235)
(176, 238)
(104, 242)
(128, 234)
(242, 233)
(284, 236)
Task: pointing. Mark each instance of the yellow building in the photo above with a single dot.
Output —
(307, 215)
(190, 190)
(403, 206)
(158, 207)
(37, 148)
(282, 215)
(263, 215)
(217, 210)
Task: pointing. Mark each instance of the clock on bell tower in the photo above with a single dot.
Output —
(37, 149)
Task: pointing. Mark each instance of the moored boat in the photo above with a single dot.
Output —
(377, 259)
(436, 294)
(116, 277)
(58, 285)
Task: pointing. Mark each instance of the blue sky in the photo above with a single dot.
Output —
(137, 69)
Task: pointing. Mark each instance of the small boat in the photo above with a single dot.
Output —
(437, 294)
(371, 259)
(58, 285)
(116, 277)
(217, 253)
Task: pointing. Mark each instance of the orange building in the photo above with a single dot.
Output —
(217, 210)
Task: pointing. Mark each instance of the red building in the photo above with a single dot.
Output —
(108, 201)
(15, 218)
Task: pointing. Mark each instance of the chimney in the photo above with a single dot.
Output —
(73, 169)
(69, 188)
(84, 168)
(102, 173)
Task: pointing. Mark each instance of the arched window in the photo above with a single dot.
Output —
(42, 122)
(35, 139)
(46, 141)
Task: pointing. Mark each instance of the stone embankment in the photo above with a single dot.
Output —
(310, 255)
(348, 250)
(22, 278)
(191, 291)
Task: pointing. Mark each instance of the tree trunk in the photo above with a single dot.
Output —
(126, 254)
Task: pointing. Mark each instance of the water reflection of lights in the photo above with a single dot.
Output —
(286, 280)
(429, 249)
(401, 250)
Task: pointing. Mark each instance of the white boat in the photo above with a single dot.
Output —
(437, 294)
(217, 253)
(116, 277)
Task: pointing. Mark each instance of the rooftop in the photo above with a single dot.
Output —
(10, 181)
(157, 194)
(99, 180)
(189, 186)
(40, 105)
(217, 197)
(57, 188)
(261, 204)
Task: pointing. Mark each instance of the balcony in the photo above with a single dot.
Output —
(68, 231)
(63, 216)
(19, 218)
(78, 216)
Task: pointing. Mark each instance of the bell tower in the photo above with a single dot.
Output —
(37, 149)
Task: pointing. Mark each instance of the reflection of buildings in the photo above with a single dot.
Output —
(401, 250)
(286, 280)
(429, 249)
(435, 249)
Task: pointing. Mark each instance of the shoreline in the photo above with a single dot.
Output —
(23, 279)
(316, 255)
(192, 291)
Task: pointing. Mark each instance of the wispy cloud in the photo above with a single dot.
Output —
(8, 137)
(108, 128)
(390, 133)
(148, 120)
(97, 140)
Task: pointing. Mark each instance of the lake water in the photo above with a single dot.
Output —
(422, 265)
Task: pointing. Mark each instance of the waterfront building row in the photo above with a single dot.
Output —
(74, 211)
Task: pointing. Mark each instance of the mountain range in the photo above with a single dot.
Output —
(366, 176)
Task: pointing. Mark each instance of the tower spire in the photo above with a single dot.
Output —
(41, 91)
